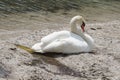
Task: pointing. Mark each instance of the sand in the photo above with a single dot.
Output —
(28, 28)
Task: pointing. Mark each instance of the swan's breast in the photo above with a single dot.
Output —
(77, 42)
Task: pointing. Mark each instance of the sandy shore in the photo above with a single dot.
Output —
(29, 28)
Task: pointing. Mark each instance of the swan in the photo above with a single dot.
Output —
(74, 41)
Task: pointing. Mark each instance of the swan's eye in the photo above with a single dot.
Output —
(83, 24)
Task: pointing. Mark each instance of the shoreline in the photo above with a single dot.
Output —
(36, 20)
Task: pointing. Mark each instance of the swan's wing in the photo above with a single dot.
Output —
(55, 46)
(53, 36)
(37, 47)
(69, 45)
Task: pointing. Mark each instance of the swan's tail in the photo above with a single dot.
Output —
(25, 48)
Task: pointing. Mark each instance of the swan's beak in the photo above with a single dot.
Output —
(83, 26)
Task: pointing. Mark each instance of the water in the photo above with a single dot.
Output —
(13, 6)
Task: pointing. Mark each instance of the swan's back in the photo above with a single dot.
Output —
(55, 35)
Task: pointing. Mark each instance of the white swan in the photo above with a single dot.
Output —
(73, 41)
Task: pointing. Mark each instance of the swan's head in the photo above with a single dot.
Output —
(78, 21)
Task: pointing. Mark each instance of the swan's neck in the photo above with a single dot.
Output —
(88, 39)
(73, 27)
(78, 31)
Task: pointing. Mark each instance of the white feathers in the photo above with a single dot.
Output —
(73, 41)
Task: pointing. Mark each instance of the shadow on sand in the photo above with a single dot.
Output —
(50, 58)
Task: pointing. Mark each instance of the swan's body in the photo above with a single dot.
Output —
(73, 41)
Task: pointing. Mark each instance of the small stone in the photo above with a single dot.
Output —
(12, 49)
(92, 28)
(99, 28)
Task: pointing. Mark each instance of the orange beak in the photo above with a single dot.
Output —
(83, 27)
